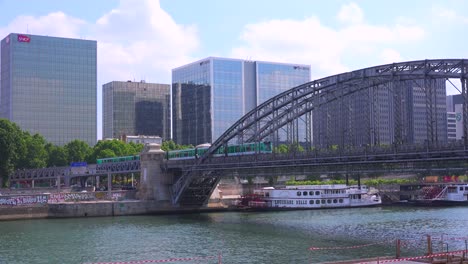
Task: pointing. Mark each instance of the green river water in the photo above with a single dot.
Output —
(254, 237)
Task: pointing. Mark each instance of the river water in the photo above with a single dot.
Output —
(266, 237)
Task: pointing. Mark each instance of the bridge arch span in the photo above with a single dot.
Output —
(292, 104)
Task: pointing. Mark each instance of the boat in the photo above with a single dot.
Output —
(447, 194)
(311, 197)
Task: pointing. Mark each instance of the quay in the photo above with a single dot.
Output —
(102, 208)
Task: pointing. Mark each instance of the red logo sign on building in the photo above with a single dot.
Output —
(23, 38)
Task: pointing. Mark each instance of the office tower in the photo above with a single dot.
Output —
(136, 108)
(384, 115)
(48, 86)
(210, 95)
(455, 117)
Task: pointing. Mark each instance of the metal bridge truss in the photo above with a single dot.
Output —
(408, 159)
(290, 105)
(66, 173)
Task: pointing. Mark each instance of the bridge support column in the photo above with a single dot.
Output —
(154, 184)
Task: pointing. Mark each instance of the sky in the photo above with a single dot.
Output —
(146, 39)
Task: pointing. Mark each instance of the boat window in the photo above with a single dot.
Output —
(317, 193)
(311, 202)
(311, 193)
(317, 201)
(267, 194)
(304, 193)
(466, 188)
(298, 193)
(335, 201)
(461, 188)
(323, 201)
(328, 201)
(341, 200)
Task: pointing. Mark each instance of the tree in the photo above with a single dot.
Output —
(11, 148)
(113, 148)
(58, 156)
(77, 150)
(171, 145)
(296, 147)
(35, 155)
(282, 149)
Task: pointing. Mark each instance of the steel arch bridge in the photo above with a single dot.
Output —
(281, 110)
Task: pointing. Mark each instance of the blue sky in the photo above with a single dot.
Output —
(146, 39)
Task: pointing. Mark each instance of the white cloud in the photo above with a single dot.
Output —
(142, 41)
(390, 56)
(448, 15)
(350, 13)
(325, 48)
(53, 24)
(135, 41)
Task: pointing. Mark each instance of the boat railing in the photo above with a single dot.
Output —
(442, 194)
(333, 195)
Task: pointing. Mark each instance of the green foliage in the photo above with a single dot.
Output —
(21, 150)
(169, 145)
(58, 156)
(11, 148)
(377, 182)
(283, 148)
(35, 155)
(296, 147)
(77, 150)
(113, 148)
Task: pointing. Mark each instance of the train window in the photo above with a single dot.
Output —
(298, 193)
(304, 193)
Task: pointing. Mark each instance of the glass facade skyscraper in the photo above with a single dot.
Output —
(383, 115)
(136, 108)
(48, 86)
(210, 95)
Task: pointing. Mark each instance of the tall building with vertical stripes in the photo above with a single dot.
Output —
(136, 108)
(48, 86)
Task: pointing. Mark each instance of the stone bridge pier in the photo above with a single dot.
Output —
(154, 183)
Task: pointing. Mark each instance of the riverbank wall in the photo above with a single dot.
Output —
(95, 209)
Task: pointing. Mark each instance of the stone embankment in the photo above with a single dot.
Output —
(85, 204)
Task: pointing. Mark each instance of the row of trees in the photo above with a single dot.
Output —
(21, 150)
